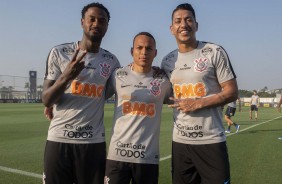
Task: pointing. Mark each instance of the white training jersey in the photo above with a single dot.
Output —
(137, 116)
(198, 74)
(255, 100)
(78, 115)
(232, 104)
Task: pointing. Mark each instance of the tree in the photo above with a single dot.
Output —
(264, 89)
(266, 94)
(245, 93)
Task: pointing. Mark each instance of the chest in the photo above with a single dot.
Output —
(191, 69)
(142, 89)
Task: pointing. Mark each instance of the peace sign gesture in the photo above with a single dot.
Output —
(75, 66)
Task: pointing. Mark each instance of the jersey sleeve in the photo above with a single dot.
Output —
(224, 70)
(116, 61)
(110, 86)
(169, 92)
(53, 70)
(117, 65)
(162, 64)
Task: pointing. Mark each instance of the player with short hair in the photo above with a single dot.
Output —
(74, 85)
(133, 154)
(254, 105)
(203, 81)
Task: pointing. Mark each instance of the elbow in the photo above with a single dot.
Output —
(233, 91)
(45, 100)
(234, 96)
(231, 96)
(45, 103)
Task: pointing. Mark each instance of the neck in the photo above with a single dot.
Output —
(187, 47)
(140, 69)
(89, 45)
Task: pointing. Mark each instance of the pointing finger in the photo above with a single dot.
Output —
(75, 55)
(81, 56)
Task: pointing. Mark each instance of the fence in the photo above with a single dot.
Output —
(17, 89)
(264, 102)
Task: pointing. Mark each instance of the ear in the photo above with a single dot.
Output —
(197, 26)
(131, 51)
(81, 21)
(171, 31)
(156, 52)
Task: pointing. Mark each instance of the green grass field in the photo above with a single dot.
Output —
(255, 152)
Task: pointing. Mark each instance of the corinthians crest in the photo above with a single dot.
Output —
(201, 64)
(105, 69)
(156, 87)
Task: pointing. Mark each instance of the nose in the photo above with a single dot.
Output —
(95, 23)
(183, 23)
(144, 51)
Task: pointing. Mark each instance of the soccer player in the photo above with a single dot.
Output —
(203, 81)
(74, 86)
(133, 154)
(254, 105)
(230, 111)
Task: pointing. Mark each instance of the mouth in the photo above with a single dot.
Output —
(94, 30)
(143, 59)
(184, 32)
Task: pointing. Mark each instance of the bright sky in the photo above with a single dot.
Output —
(249, 30)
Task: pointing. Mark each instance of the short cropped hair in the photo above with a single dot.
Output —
(98, 5)
(146, 34)
(184, 6)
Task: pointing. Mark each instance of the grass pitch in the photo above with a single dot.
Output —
(255, 152)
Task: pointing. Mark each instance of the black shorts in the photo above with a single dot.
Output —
(205, 164)
(124, 172)
(254, 108)
(74, 163)
(230, 111)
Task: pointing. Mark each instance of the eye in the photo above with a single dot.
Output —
(138, 47)
(190, 19)
(102, 21)
(177, 21)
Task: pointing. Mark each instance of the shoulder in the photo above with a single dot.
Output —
(169, 59)
(66, 48)
(171, 55)
(108, 55)
(208, 47)
(158, 73)
(122, 72)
